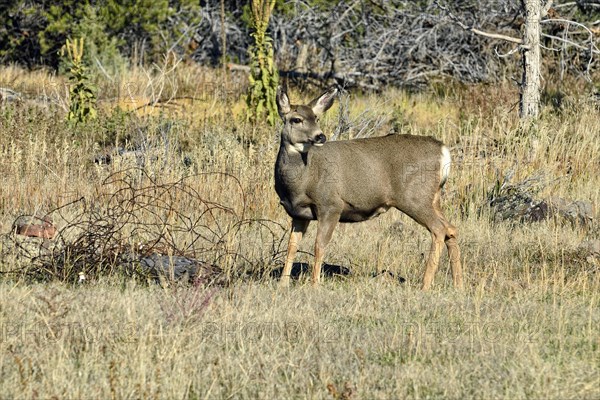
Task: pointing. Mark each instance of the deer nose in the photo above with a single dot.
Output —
(320, 138)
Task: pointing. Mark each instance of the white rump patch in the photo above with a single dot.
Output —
(445, 162)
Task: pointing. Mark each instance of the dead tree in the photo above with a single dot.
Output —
(529, 104)
(530, 48)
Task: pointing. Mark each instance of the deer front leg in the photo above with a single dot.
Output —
(299, 227)
(325, 230)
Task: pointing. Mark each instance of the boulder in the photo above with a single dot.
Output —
(517, 202)
(577, 212)
(35, 227)
(180, 268)
(9, 95)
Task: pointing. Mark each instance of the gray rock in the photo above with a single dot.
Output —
(179, 268)
(517, 202)
(519, 206)
(577, 212)
(590, 247)
(34, 226)
(9, 95)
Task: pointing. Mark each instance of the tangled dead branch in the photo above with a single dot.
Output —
(374, 44)
(139, 226)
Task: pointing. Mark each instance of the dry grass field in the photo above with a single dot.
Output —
(527, 324)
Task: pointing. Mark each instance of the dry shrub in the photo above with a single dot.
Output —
(138, 216)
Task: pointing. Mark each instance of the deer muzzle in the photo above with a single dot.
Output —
(319, 139)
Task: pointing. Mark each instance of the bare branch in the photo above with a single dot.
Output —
(575, 3)
(511, 52)
(478, 31)
(563, 5)
(493, 35)
(566, 21)
(592, 48)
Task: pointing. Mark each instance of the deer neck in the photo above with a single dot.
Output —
(291, 167)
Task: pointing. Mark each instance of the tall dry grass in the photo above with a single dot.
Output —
(526, 326)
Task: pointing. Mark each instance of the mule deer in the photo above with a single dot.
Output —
(356, 180)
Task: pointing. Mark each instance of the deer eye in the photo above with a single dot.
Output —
(295, 120)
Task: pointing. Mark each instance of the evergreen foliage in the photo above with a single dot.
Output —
(33, 33)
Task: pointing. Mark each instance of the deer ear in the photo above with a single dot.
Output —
(323, 102)
(283, 102)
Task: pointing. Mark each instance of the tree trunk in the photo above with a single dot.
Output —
(530, 84)
(223, 40)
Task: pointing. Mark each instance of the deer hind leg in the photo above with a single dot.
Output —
(299, 227)
(442, 231)
(433, 260)
(325, 230)
(454, 255)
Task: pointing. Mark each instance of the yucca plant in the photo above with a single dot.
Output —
(264, 77)
(82, 92)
